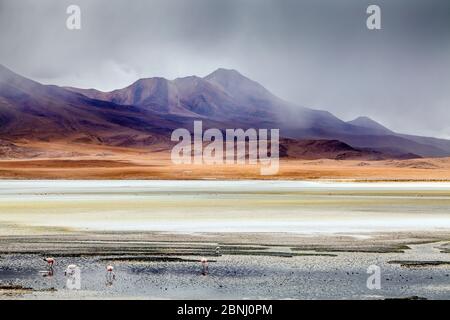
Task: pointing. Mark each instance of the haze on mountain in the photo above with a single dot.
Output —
(316, 53)
(146, 112)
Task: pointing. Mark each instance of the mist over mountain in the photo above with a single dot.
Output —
(149, 109)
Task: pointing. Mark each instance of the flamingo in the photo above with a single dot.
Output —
(73, 274)
(50, 262)
(49, 271)
(110, 275)
(204, 263)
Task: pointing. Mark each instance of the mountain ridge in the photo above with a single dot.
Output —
(150, 108)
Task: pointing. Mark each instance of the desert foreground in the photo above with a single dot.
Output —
(86, 161)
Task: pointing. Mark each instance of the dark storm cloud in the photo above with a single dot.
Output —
(314, 53)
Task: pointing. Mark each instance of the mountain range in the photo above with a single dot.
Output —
(147, 111)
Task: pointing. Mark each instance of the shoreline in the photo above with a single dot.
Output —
(235, 179)
(256, 179)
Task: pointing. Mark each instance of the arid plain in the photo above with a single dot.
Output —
(86, 161)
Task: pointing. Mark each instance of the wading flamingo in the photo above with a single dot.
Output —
(73, 274)
(50, 262)
(204, 263)
(49, 271)
(110, 275)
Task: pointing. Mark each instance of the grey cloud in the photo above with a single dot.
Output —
(316, 53)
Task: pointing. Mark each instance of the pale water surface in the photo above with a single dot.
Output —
(224, 206)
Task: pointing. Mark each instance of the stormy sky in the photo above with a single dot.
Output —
(315, 53)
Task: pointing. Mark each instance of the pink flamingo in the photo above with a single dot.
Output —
(204, 263)
(110, 275)
(49, 271)
(50, 262)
